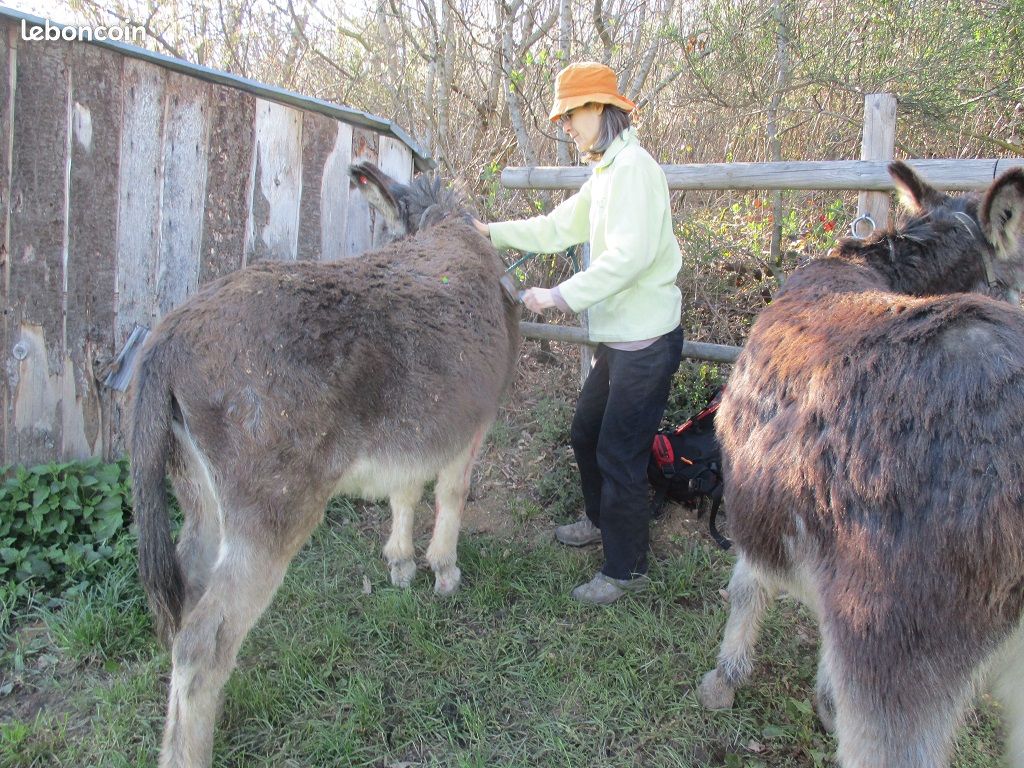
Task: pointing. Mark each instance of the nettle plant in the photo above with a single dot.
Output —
(59, 524)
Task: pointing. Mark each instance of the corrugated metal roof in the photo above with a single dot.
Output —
(422, 160)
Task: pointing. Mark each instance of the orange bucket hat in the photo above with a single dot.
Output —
(584, 82)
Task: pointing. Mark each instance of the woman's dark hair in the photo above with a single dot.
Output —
(614, 120)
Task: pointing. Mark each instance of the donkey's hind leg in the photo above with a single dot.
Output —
(398, 550)
(1008, 674)
(908, 722)
(450, 496)
(749, 598)
(248, 571)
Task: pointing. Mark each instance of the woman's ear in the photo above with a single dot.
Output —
(598, 107)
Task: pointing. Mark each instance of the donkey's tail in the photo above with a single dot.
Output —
(151, 437)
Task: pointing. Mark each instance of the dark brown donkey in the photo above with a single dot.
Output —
(283, 384)
(873, 434)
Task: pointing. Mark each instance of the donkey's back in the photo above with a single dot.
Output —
(409, 346)
(873, 433)
(283, 384)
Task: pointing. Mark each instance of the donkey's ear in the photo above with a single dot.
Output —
(914, 192)
(383, 193)
(1002, 213)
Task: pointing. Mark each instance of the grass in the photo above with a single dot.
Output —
(509, 672)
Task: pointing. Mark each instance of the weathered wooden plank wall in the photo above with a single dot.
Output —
(182, 189)
(91, 265)
(393, 159)
(335, 202)
(229, 160)
(8, 54)
(128, 185)
(273, 230)
(138, 209)
(318, 136)
(360, 225)
(39, 228)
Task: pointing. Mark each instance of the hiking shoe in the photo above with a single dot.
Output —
(604, 590)
(578, 534)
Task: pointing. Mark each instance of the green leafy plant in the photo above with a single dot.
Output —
(692, 387)
(59, 524)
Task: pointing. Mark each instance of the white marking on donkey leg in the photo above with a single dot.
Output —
(749, 597)
(203, 529)
(450, 493)
(398, 551)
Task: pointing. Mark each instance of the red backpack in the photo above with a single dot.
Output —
(686, 465)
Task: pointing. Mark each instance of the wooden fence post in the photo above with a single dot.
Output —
(878, 144)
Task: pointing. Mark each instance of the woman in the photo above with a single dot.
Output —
(634, 306)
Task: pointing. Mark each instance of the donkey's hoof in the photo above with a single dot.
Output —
(714, 692)
(403, 572)
(447, 580)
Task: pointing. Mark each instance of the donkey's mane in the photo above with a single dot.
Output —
(428, 202)
(922, 251)
(915, 227)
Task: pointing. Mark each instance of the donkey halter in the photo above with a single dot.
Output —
(975, 231)
(984, 246)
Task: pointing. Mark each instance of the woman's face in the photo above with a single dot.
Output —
(583, 125)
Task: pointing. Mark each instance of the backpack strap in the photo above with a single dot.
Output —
(720, 540)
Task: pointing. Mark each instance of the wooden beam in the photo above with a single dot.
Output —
(821, 174)
(185, 159)
(8, 336)
(319, 136)
(273, 227)
(91, 269)
(232, 143)
(39, 181)
(138, 209)
(878, 143)
(699, 350)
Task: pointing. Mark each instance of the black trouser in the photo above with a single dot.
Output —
(619, 410)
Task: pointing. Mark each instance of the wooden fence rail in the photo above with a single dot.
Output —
(862, 175)
(717, 353)
(823, 174)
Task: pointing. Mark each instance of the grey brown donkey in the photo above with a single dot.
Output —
(283, 384)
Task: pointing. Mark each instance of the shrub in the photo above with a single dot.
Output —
(59, 524)
(692, 387)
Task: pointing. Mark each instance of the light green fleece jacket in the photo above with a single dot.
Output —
(623, 210)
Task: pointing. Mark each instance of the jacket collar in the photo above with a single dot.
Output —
(620, 142)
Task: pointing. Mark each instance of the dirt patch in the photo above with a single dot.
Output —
(26, 688)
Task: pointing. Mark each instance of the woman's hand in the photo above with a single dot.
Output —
(538, 299)
(482, 228)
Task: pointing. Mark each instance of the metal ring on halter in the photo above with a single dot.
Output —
(855, 224)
